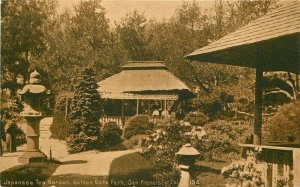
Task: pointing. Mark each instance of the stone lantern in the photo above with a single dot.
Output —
(33, 94)
(187, 156)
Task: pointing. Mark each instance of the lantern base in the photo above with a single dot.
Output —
(34, 156)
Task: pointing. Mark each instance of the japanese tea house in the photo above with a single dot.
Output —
(141, 88)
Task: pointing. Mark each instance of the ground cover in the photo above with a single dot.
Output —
(33, 174)
(209, 173)
(131, 169)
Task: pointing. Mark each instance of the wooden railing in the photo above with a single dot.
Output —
(118, 119)
(121, 121)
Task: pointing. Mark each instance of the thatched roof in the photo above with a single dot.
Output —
(143, 80)
(270, 43)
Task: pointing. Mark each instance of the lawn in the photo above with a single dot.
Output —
(32, 174)
(131, 169)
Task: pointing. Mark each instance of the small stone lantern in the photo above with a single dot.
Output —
(32, 94)
(187, 156)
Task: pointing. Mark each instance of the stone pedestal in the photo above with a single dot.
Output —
(185, 176)
(33, 153)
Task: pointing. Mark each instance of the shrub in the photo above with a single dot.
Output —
(85, 113)
(222, 138)
(285, 124)
(133, 141)
(162, 146)
(249, 171)
(138, 124)
(111, 134)
(131, 167)
(61, 126)
(197, 119)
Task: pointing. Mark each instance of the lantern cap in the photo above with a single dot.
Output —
(34, 74)
(188, 150)
(33, 88)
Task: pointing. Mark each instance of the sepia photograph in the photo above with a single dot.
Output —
(150, 93)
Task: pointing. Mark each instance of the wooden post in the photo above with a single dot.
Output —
(122, 113)
(297, 85)
(258, 107)
(296, 166)
(165, 105)
(66, 114)
(149, 114)
(137, 106)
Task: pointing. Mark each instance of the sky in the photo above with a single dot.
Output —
(158, 9)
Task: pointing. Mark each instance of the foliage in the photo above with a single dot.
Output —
(10, 112)
(197, 118)
(285, 123)
(23, 21)
(18, 133)
(32, 172)
(228, 134)
(162, 145)
(85, 113)
(111, 134)
(80, 38)
(61, 126)
(133, 141)
(247, 171)
(131, 167)
(138, 124)
(132, 35)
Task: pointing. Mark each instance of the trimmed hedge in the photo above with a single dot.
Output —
(138, 124)
(197, 119)
(61, 126)
(111, 134)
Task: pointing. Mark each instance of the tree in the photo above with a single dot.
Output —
(22, 33)
(284, 126)
(77, 38)
(85, 113)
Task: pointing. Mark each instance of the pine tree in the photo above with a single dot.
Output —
(85, 114)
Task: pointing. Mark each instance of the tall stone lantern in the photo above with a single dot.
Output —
(33, 94)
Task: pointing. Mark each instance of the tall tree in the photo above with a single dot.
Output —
(80, 38)
(22, 33)
(132, 35)
(85, 113)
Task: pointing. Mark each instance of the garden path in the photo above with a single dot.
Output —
(87, 163)
(92, 163)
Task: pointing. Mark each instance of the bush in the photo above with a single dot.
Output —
(60, 127)
(162, 146)
(138, 124)
(111, 134)
(133, 141)
(85, 113)
(222, 139)
(197, 119)
(131, 167)
(285, 124)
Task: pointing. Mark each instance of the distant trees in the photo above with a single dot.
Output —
(77, 39)
(62, 43)
(85, 113)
